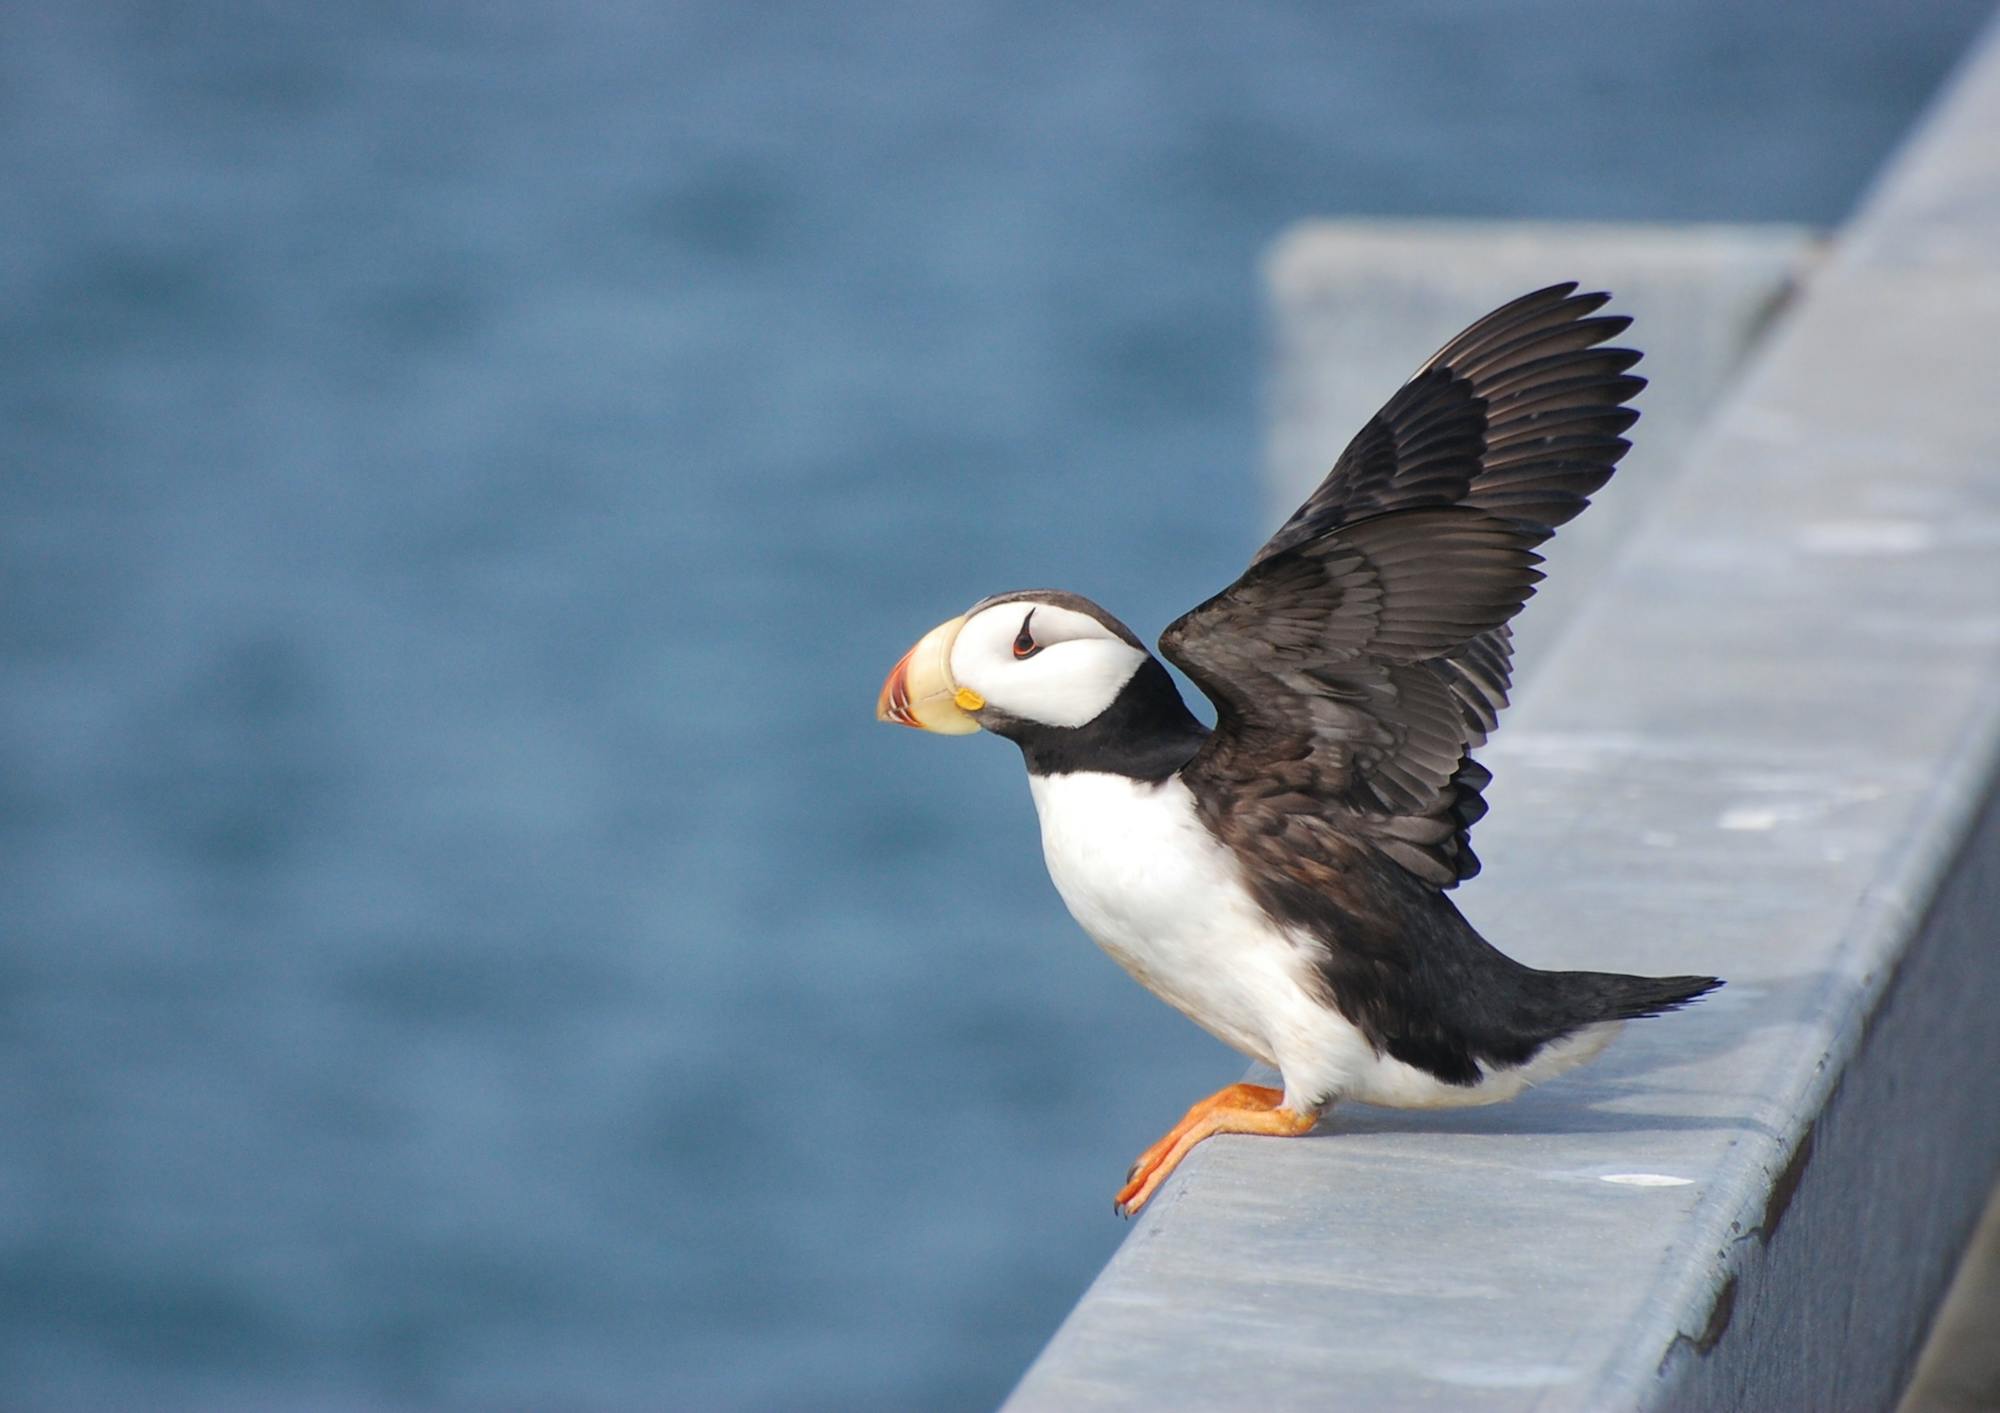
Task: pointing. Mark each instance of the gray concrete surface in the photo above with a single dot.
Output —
(1766, 747)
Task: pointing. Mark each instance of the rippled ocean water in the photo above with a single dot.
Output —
(464, 471)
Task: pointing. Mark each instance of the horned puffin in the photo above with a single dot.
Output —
(1283, 879)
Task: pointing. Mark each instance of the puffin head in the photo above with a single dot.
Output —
(1038, 658)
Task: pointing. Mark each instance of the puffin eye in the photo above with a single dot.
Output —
(1024, 641)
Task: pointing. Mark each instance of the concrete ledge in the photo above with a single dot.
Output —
(1766, 746)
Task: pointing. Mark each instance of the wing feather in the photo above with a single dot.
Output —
(1328, 654)
(1365, 654)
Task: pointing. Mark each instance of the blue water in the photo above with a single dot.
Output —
(464, 471)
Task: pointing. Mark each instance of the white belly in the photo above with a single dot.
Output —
(1159, 893)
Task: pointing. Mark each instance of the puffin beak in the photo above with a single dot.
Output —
(920, 691)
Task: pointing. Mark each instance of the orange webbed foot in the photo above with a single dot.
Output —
(1241, 1108)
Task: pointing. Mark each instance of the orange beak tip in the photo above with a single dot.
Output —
(894, 703)
(920, 692)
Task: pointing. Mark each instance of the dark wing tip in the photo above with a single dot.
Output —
(1550, 310)
(1496, 413)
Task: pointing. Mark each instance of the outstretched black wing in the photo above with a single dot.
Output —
(1365, 653)
(1520, 415)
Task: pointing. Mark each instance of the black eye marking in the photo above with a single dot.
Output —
(1024, 641)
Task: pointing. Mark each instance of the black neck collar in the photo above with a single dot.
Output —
(1147, 733)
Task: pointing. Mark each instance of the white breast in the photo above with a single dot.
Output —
(1160, 893)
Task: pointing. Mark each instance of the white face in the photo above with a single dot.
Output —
(1041, 662)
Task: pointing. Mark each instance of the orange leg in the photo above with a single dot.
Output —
(1241, 1108)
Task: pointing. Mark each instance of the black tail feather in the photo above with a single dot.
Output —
(1611, 996)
